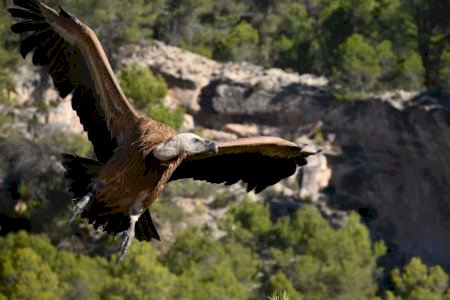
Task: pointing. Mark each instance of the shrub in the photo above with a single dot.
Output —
(171, 117)
(8, 58)
(281, 288)
(142, 87)
(417, 281)
(7, 86)
(147, 92)
(412, 72)
(312, 259)
(209, 269)
(388, 62)
(279, 295)
(358, 69)
(237, 44)
(445, 71)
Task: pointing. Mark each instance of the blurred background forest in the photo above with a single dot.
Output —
(230, 246)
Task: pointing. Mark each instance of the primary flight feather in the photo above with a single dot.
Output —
(136, 156)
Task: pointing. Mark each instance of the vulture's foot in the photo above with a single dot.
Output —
(80, 206)
(128, 237)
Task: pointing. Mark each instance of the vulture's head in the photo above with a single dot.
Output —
(183, 143)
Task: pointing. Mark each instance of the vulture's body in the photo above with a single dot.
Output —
(136, 156)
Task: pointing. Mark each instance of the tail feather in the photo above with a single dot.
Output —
(145, 229)
(80, 175)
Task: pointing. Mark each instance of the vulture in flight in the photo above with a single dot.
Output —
(136, 156)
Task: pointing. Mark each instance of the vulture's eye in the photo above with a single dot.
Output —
(196, 140)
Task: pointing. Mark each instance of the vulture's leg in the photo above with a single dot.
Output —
(80, 206)
(128, 236)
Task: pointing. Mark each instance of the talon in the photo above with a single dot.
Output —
(79, 207)
(128, 237)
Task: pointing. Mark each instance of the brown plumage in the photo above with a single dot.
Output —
(136, 156)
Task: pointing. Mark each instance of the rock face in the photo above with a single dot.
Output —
(38, 106)
(392, 161)
(389, 156)
(187, 73)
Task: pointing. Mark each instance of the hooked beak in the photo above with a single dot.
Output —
(212, 147)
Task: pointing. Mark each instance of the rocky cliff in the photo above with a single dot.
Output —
(388, 157)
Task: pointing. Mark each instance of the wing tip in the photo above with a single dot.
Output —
(64, 13)
(308, 153)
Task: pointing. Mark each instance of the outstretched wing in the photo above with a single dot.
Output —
(258, 161)
(74, 58)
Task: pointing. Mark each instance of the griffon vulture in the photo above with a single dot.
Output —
(136, 156)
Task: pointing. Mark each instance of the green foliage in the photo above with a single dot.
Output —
(409, 37)
(387, 61)
(445, 71)
(248, 222)
(79, 145)
(142, 87)
(279, 282)
(418, 282)
(117, 22)
(412, 72)
(237, 44)
(293, 47)
(295, 257)
(5, 121)
(171, 117)
(8, 59)
(32, 268)
(328, 256)
(432, 23)
(313, 259)
(209, 269)
(8, 43)
(359, 68)
(7, 86)
(147, 91)
(142, 276)
(26, 276)
(280, 295)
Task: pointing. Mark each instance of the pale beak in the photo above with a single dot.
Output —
(212, 147)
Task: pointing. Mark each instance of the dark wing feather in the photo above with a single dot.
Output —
(70, 73)
(259, 162)
(93, 117)
(27, 26)
(28, 4)
(24, 14)
(30, 43)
